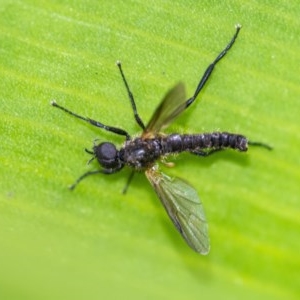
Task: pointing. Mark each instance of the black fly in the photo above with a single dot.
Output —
(178, 197)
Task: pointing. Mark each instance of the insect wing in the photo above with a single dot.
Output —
(184, 209)
(171, 106)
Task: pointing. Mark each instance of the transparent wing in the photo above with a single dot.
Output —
(171, 106)
(183, 207)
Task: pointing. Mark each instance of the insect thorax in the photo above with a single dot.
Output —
(140, 153)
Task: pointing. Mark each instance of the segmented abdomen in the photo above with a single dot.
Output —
(192, 142)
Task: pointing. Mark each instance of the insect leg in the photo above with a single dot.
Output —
(206, 153)
(128, 182)
(212, 151)
(103, 171)
(259, 144)
(93, 122)
(130, 95)
(210, 68)
(72, 187)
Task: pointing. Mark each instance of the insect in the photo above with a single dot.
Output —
(179, 199)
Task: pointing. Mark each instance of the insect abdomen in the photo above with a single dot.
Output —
(192, 142)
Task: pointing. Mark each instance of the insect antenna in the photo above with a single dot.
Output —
(88, 151)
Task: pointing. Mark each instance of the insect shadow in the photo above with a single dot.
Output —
(179, 198)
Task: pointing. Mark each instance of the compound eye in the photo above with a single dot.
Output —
(107, 150)
(107, 155)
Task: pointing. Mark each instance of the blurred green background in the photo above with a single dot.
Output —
(95, 243)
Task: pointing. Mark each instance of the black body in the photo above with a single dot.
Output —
(142, 153)
(178, 197)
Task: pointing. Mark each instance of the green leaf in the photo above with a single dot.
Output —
(94, 242)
